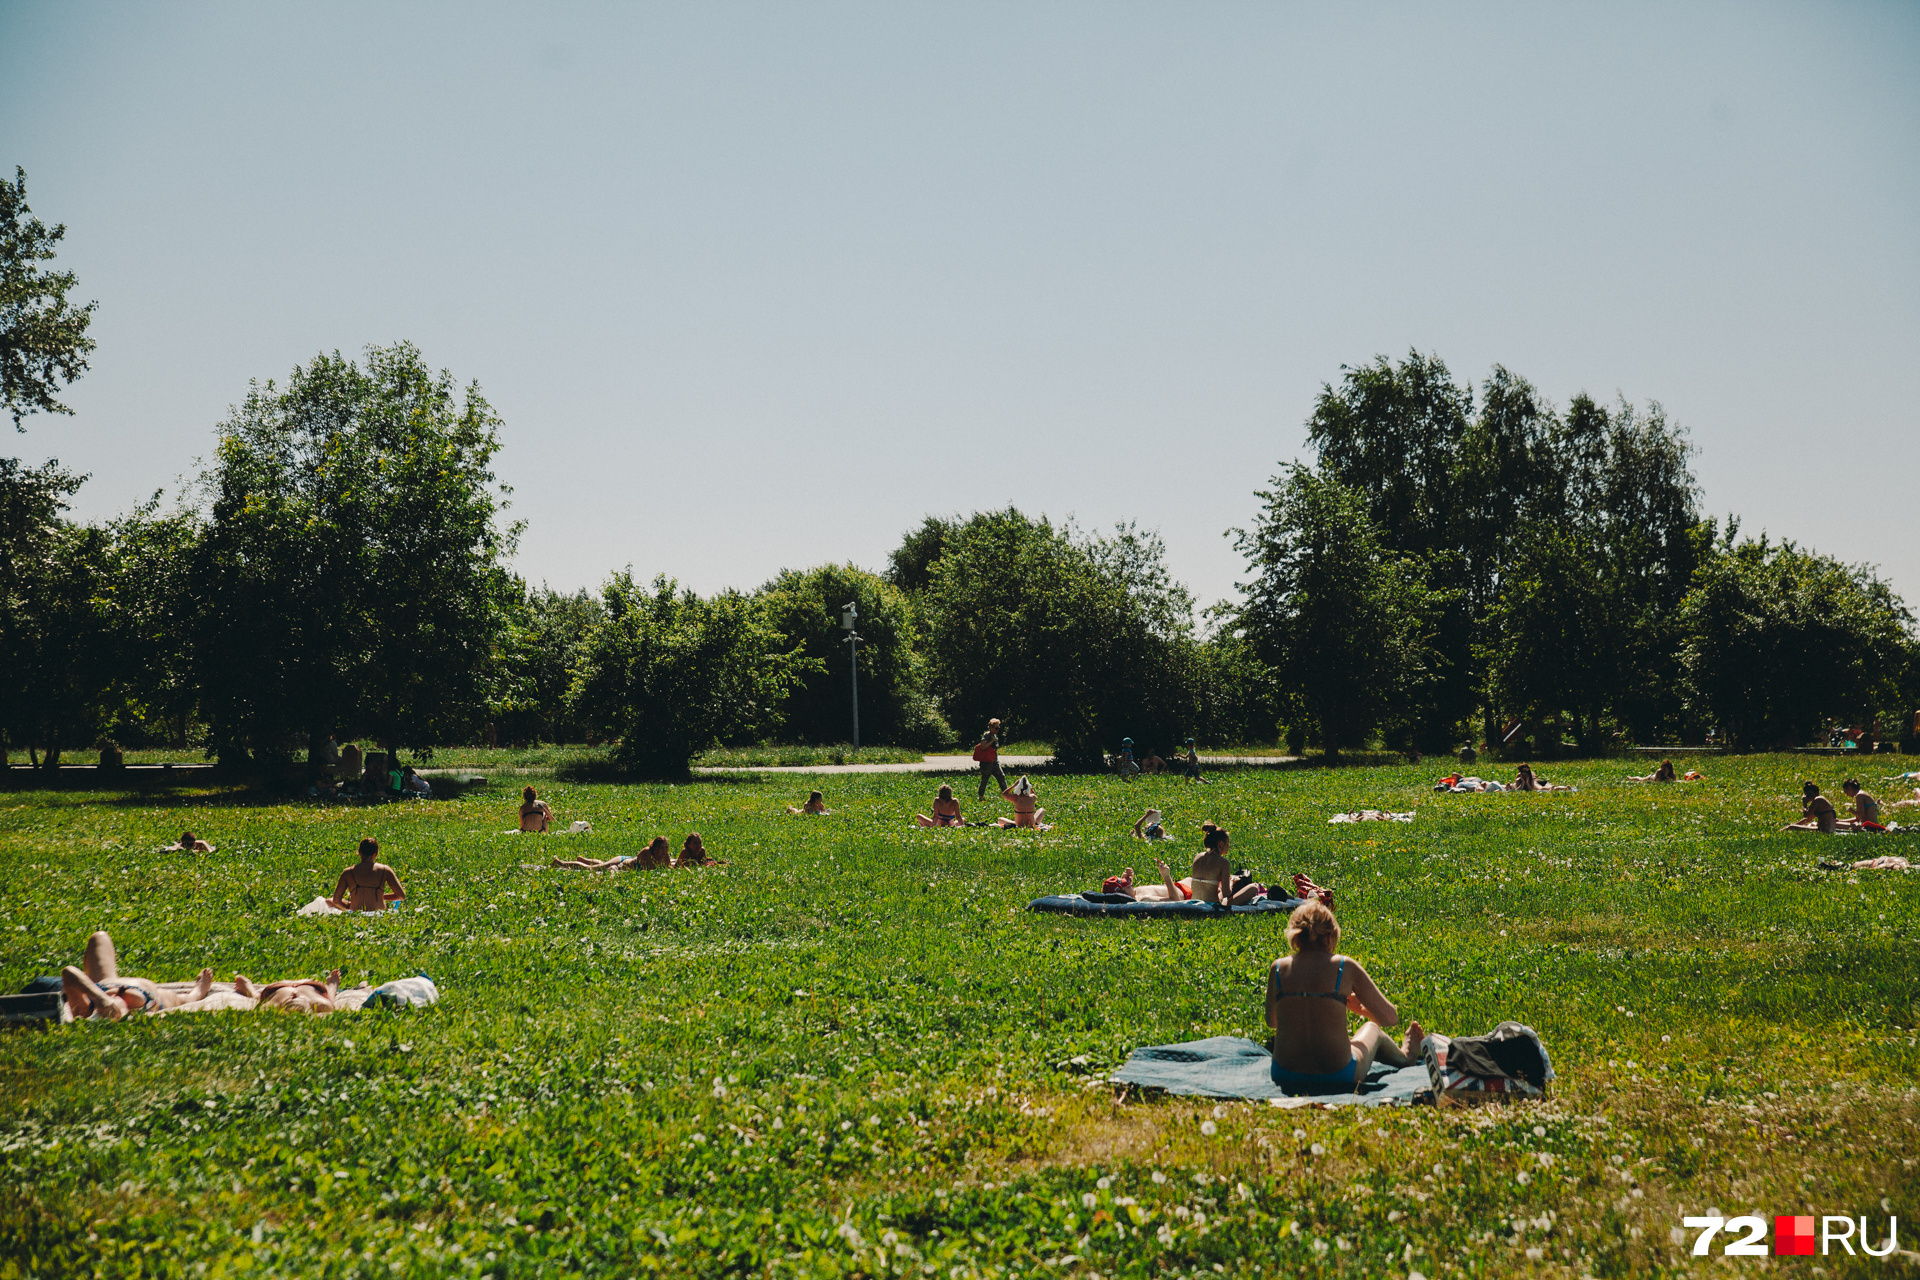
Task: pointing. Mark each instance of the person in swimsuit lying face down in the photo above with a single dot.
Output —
(189, 843)
(946, 811)
(98, 990)
(296, 995)
(694, 853)
(1309, 994)
(816, 804)
(656, 855)
(368, 885)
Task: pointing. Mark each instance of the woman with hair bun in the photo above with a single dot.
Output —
(1309, 994)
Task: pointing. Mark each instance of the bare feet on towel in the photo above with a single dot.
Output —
(1416, 1036)
(203, 984)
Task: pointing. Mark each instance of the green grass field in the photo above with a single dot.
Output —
(836, 1055)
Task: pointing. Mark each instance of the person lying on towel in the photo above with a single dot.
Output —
(98, 990)
(296, 995)
(656, 855)
(1309, 995)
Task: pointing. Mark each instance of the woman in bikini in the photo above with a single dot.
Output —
(694, 853)
(296, 995)
(98, 990)
(1026, 806)
(1149, 827)
(1203, 883)
(189, 843)
(1664, 773)
(1309, 994)
(368, 885)
(536, 815)
(946, 812)
(816, 804)
(656, 855)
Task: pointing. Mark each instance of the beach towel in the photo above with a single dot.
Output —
(1114, 904)
(1371, 815)
(321, 907)
(1235, 1067)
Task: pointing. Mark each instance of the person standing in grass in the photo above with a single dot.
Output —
(1309, 994)
(987, 752)
(369, 885)
(1816, 812)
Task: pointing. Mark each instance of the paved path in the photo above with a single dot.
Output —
(962, 764)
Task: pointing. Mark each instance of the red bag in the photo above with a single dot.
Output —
(983, 753)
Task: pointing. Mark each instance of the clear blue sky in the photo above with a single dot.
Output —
(761, 285)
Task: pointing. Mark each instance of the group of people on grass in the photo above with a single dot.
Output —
(1818, 814)
(658, 855)
(1524, 779)
(96, 988)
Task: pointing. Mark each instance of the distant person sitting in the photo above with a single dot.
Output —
(536, 815)
(946, 811)
(413, 784)
(96, 989)
(1310, 993)
(329, 758)
(694, 853)
(189, 843)
(369, 885)
(1665, 773)
(816, 804)
(1865, 809)
(1816, 812)
(1026, 806)
(351, 763)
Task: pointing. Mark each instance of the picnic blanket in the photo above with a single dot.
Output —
(321, 907)
(1371, 815)
(1116, 904)
(1235, 1067)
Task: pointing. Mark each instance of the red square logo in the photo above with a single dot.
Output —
(1793, 1235)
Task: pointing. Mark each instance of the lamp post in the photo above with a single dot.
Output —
(847, 620)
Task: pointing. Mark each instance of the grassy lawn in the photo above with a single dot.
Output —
(836, 1055)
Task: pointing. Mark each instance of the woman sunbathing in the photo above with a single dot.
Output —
(189, 843)
(296, 995)
(1664, 773)
(1026, 807)
(946, 811)
(656, 855)
(1148, 827)
(816, 804)
(98, 990)
(1816, 812)
(368, 885)
(694, 853)
(1203, 883)
(1524, 780)
(1309, 994)
(536, 815)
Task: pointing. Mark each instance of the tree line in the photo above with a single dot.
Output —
(1457, 565)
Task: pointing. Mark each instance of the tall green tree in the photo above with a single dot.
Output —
(1777, 639)
(1344, 621)
(805, 605)
(350, 575)
(43, 337)
(671, 674)
(546, 640)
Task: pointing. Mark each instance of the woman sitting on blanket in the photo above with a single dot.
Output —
(1026, 806)
(1309, 994)
(946, 812)
(656, 855)
(536, 815)
(1210, 871)
(368, 885)
(1816, 812)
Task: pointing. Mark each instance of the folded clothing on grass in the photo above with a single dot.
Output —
(321, 907)
(1235, 1067)
(1117, 904)
(1371, 815)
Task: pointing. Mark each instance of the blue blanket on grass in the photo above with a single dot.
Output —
(1235, 1067)
(1115, 904)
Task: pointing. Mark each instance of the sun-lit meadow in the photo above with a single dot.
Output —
(841, 1053)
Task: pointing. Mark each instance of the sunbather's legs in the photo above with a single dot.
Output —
(99, 959)
(1372, 1045)
(85, 997)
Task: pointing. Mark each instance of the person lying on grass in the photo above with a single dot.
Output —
(1816, 812)
(368, 885)
(1026, 807)
(1309, 994)
(536, 815)
(1665, 773)
(694, 853)
(1525, 780)
(1148, 826)
(98, 990)
(1204, 883)
(656, 855)
(1906, 804)
(296, 995)
(1865, 809)
(816, 804)
(189, 843)
(946, 812)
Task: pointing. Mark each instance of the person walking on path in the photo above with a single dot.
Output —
(1192, 762)
(988, 754)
